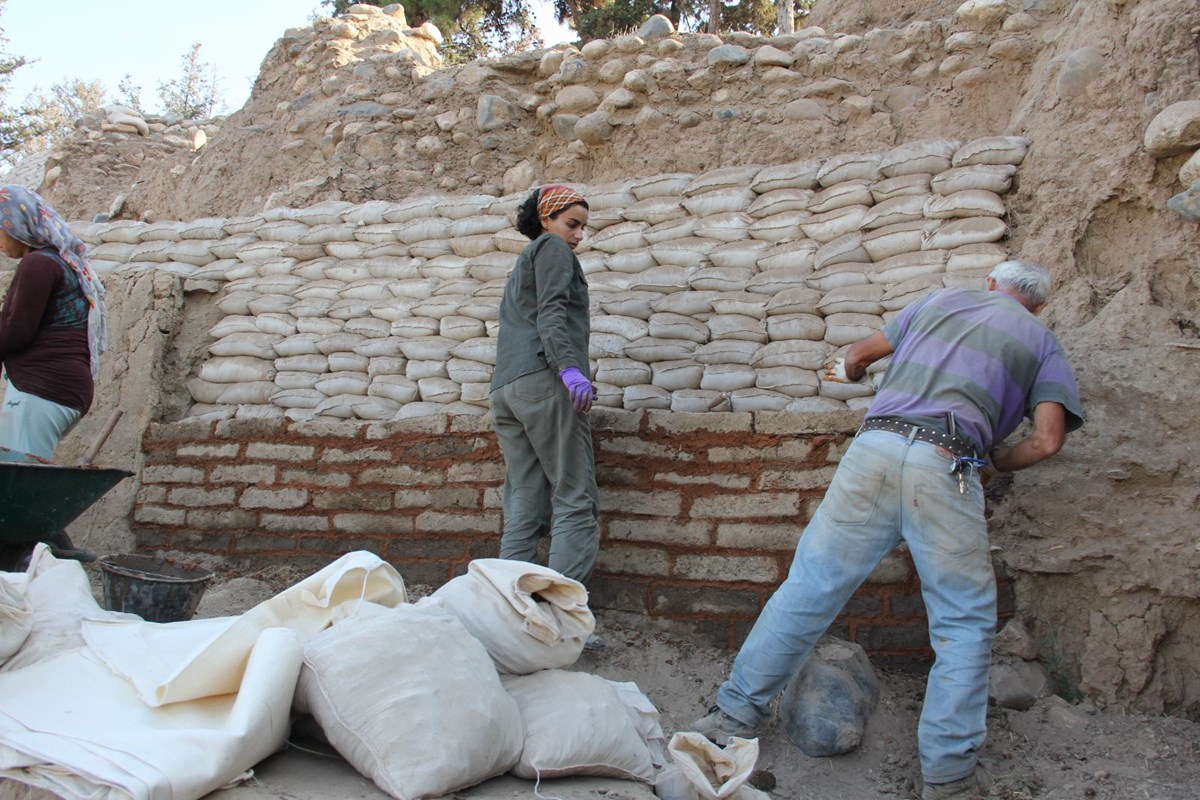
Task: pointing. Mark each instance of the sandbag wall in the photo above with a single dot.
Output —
(723, 291)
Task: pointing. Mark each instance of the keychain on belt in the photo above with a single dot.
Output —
(960, 464)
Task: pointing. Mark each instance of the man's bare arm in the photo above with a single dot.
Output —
(1046, 439)
(865, 353)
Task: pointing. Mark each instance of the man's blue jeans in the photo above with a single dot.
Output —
(888, 489)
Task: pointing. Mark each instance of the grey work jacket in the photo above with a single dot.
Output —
(544, 314)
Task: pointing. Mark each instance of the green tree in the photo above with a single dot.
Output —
(57, 111)
(195, 94)
(16, 124)
(471, 28)
(763, 17)
(130, 94)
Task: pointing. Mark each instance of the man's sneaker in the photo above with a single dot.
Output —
(719, 727)
(974, 785)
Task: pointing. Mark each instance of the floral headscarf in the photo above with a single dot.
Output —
(29, 219)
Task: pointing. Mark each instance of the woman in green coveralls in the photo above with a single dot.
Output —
(541, 393)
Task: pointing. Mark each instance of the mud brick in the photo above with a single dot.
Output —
(299, 523)
(795, 451)
(207, 519)
(243, 473)
(624, 560)
(427, 549)
(746, 506)
(729, 569)
(354, 456)
(250, 429)
(402, 475)
(151, 539)
(353, 499)
(612, 592)
(801, 479)
(896, 567)
(692, 601)
(373, 523)
(675, 423)
(658, 531)
(658, 503)
(909, 636)
(293, 477)
(609, 475)
(202, 540)
(327, 429)
(468, 423)
(201, 497)
(151, 494)
(401, 429)
(340, 545)
(476, 472)
(273, 498)
(488, 523)
(863, 606)
(905, 605)
(262, 543)
(438, 449)
(186, 432)
(157, 515)
(208, 451)
(280, 452)
(713, 479)
(759, 535)
(783, 423)
(172, 474)
(421, 573)
(615, 420)
(637, 446)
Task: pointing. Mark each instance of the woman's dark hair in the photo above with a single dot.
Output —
(529, 223)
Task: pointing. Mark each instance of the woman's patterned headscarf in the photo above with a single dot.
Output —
(554, 198)
(29, 219)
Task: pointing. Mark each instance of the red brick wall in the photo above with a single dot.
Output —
(699, 512)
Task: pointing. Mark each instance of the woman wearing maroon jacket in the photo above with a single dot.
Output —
(53, 326)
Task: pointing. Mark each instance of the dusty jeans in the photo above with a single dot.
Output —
(549, 474)
(888, 489)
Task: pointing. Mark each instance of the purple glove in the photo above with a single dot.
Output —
(579, 387)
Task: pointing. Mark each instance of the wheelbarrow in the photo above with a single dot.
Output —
(38, 500)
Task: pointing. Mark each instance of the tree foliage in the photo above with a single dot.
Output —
(471, 28)
(55, 111)
(613, 17)
(195, 94)
(16, 126)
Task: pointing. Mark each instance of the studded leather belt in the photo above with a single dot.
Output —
(957, 445)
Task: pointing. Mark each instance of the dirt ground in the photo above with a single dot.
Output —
(1053, 751)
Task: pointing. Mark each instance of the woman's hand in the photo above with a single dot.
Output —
(579, 387)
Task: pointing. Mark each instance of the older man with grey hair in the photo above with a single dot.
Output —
(967, 366)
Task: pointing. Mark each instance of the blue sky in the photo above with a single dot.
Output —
(103, 40)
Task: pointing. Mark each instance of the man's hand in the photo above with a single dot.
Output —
(835, 371)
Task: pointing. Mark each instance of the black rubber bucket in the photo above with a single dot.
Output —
(151, 588)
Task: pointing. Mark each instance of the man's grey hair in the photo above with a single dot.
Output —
(1023, 277)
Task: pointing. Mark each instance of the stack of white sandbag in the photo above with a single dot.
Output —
(721, 291)
(467, 684)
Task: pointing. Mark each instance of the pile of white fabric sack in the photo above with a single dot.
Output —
(424, 698)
